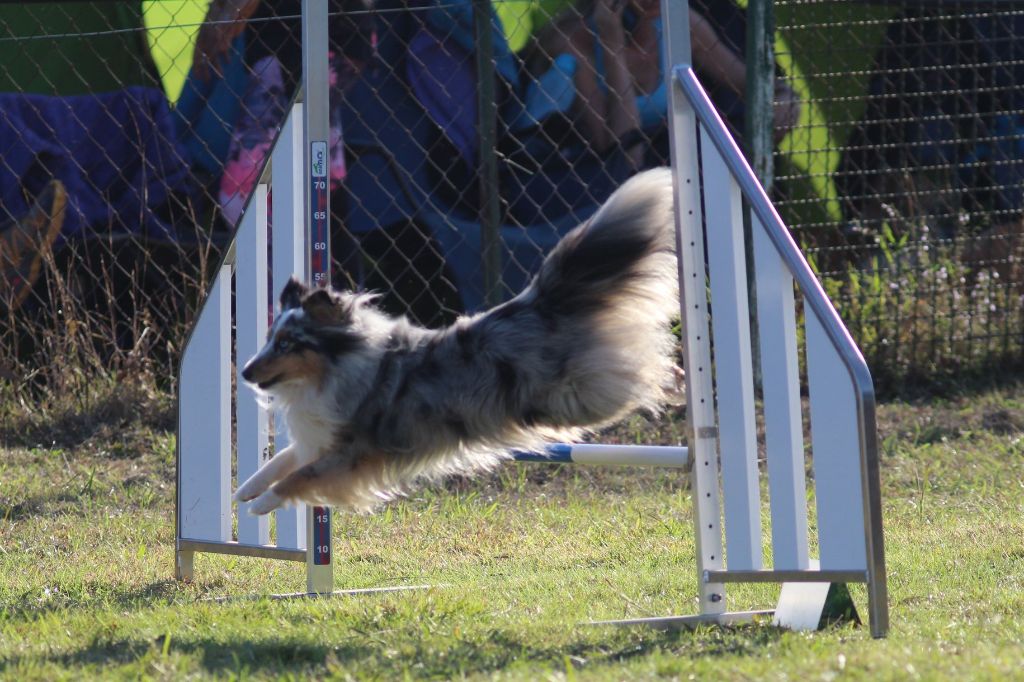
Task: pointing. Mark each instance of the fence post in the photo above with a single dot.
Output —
(758, 127)
(760, 88)
(487, 112)
(317, 174)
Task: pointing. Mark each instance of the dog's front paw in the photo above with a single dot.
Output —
(249, 490)
(266, 503)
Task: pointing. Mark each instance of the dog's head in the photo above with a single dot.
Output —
(316, 328)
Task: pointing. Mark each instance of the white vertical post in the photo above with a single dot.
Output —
(835, 440)
(204, 428)
(288, 218)
(693, 303)
(253, 440)
(288, 241)
(780, 374)
(734, 375)
(317, 177)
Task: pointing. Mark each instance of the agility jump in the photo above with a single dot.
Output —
(722, 446)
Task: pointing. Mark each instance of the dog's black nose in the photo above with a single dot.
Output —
(247, 373)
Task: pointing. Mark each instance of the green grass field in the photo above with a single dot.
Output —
(518, 563)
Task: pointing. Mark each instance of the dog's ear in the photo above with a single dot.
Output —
(323, 306)
(291, 295)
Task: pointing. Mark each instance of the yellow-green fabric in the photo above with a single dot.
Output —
(172, 26)
(521, 18)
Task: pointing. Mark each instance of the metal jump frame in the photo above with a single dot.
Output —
(704, 157)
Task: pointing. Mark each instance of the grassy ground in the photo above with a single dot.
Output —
(519, 562)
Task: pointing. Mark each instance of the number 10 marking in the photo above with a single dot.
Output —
(321, 536)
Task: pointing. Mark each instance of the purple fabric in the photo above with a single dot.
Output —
(443, 77)
(116, 153)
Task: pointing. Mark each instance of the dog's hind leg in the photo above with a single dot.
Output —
(279, 466)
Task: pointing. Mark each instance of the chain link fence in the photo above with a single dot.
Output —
(127, 156)
(905, 180)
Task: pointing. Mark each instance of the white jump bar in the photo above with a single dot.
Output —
(614, 455)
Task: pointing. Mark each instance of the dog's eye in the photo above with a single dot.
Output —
(283, 345)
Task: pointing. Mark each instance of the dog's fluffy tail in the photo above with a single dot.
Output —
(625, 250)
(612, 284)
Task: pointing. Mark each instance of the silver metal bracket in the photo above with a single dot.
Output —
(814, 606)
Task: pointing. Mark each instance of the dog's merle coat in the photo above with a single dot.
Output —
(374, 403)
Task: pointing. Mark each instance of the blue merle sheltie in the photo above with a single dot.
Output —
(374, 404)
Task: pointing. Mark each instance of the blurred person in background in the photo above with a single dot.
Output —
(597, 88)
(272, 34)
(614, 51)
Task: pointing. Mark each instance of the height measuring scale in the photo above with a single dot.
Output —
(316, 138)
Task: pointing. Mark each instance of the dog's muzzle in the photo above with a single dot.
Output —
(247, 372)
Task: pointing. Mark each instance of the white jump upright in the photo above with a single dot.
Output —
(206, 397)
(718, 351)
(298, 171)
(721, 385)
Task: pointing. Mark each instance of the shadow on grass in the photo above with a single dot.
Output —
(411, 650)
(213, 655)
(24, 509)
(92, 595)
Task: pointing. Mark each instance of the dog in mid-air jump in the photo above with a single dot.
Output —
(374, 403)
